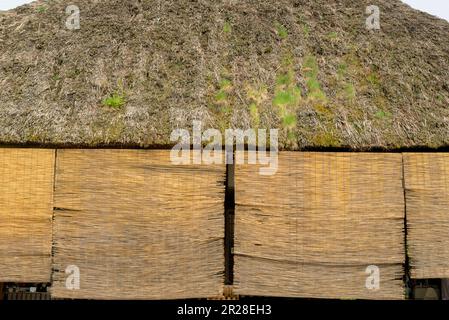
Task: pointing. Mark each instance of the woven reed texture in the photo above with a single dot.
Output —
(313, 228)
(137, 226)
(26, 209)
(427, 197)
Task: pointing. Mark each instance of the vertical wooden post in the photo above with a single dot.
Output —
(229, 223)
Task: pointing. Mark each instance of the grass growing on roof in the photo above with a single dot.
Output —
(305, 27)
(116, 101)
(223, 101)
(287, 98)
(306, 30)
(256, 96)
(342, 69)
(255, 117)
(381, 114)
(221, 96)
(345, 89)
(289, 120)
(281, 31)
(349, 91)
(227, 27)
(311, 70)
(332, 35)
(224, 86)
(285, 78)
(373, 79)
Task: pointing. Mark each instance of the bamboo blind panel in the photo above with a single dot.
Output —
(313, 228)
(427, 197)
(137, 226)
(26, 209)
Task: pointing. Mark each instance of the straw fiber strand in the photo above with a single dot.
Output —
(313, 228)
(26, 208)
(427, 196)
(137, 226)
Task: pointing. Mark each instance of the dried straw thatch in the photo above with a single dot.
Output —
(309, 68)
(136, 226)
(312, 229)
(26, 209)
(427, 198)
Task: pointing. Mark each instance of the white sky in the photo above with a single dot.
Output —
(438, 8)
(10, 4)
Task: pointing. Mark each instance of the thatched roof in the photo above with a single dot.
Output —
(309, 68)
